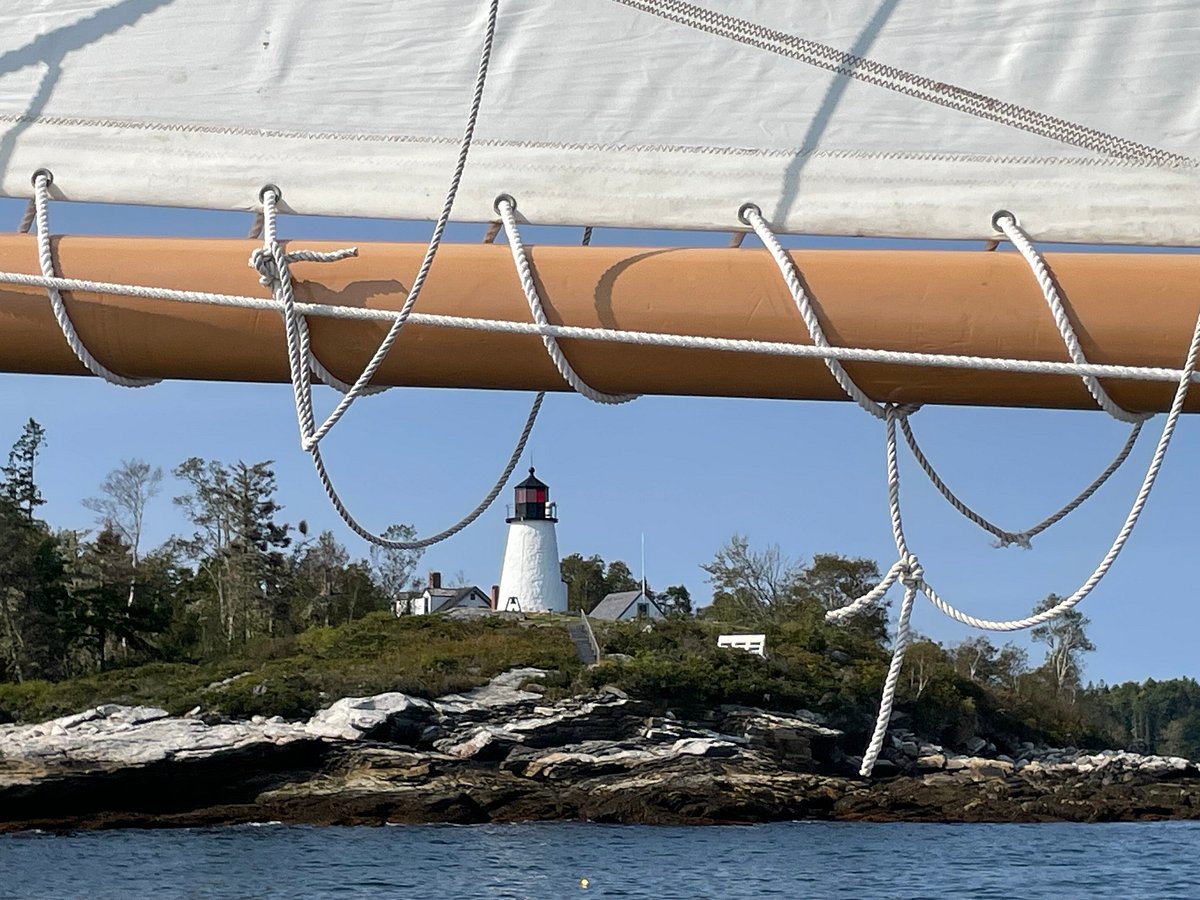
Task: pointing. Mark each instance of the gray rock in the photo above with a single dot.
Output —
(485, 743)
(501, 693)
(798, 742)
(390, 716)
(975, 745)
(113, 736)
(931, 762)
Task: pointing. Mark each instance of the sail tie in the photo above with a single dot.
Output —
(274, 272)
(41, 203)
(272, 264)
(506, 206)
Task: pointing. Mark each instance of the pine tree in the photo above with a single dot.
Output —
(19, 486)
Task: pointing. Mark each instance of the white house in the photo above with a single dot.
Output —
(436, 599)
(625, 605)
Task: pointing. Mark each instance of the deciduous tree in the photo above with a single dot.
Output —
(1066, 641)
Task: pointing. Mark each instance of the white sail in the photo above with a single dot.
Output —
(623, 112)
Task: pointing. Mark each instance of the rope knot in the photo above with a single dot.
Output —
(263, 262)
(1024, 540)
(912, 574)
(272, 263)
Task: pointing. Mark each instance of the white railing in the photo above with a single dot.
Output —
(591, 634)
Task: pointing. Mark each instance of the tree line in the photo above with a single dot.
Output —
(75, 602)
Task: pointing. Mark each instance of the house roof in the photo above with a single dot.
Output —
(614, 605)
(455, 597)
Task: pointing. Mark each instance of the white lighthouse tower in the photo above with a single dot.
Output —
(530, 579)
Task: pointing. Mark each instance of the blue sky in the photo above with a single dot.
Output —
(686, 473)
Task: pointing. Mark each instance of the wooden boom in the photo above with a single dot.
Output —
(1131, 309)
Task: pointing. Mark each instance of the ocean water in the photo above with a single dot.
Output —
(794, 860)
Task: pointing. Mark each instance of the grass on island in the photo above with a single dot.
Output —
(673, 664)
(426, 656)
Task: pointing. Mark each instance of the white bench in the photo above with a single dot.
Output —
(751, 643)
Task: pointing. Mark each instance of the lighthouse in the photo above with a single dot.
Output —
(530, 579)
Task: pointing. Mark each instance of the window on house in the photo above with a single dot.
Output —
(643, 609)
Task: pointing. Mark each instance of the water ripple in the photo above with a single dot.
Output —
(548, 860)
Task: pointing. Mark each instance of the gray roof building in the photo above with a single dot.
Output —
(624, 605)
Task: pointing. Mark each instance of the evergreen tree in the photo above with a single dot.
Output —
(19, 485)
(33, 600)
(237, 545)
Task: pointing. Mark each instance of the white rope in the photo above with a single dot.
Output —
(273, 265)
(435, 240)
(616, 336)
(506, 207)
(875, 594)
(1118, 544)
(913, 575)
(1007, 223)
(454, 529)
(323, 374)
(752, 215)
(41, 201)
(899, 646)
(1020, 538)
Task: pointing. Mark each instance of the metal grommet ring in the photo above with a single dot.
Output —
(273, 188)
(42, 173)
(1003, 214)
(744, 209)
(512, 201)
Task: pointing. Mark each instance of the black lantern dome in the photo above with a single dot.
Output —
(531, 500)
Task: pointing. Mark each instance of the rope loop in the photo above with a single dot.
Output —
(42, 179)
(1005, 222)
(506, 207)
(1003, 537)
(750, 214)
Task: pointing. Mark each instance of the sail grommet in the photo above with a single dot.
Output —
(42, 173)
(744, 212)
(1003, 214)
(502, 198)
(273, 188)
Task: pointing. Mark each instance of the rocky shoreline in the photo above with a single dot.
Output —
(502, 753)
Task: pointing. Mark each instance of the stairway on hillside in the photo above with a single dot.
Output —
(583, 646)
